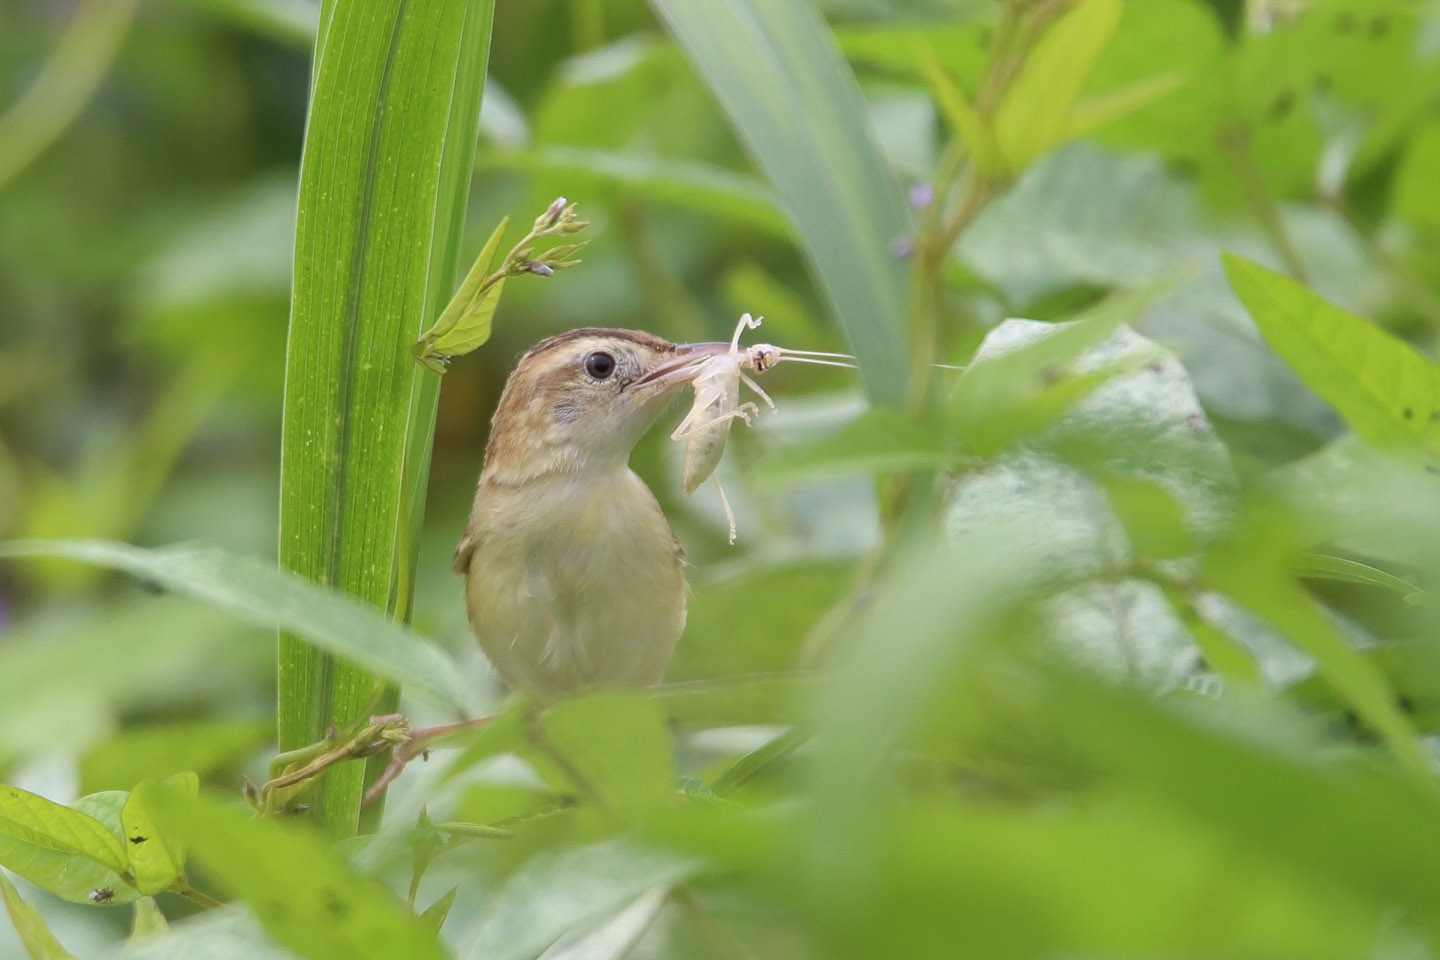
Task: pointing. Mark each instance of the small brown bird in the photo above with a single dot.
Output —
(573, 577)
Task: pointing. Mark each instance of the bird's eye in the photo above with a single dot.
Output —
(600, 365)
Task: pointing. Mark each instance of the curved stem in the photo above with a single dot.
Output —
(65, 84)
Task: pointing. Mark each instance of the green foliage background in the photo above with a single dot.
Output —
(1118, 642)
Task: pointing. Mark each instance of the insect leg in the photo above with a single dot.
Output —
(762, 394)
(724, 502)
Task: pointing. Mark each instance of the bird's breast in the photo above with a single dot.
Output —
(575, 582)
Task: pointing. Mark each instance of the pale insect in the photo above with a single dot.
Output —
(706, 428)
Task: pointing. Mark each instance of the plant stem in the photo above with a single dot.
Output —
(1234, 143)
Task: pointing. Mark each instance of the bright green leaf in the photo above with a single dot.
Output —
(973, 130)
(1385, 389)
(157, 859)
(1034, 115)
(42, 823)
(465, 322)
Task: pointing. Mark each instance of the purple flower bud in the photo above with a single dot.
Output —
(551, 216)
(921, 196)
(537, 268)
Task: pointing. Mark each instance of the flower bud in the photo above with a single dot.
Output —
(551, 216)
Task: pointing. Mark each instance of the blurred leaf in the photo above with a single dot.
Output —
(1387, 391)
(223, 933)
(268, 597)
(1086, 216)
(690, 184)
(1250, 570)
(793, 101)
(616, 937)
(1322, 566)
(390, 144)
(1033, 116)
(157, 859)
(1274, 798)
(306, 898)
(65, 84)
(1153, 519)
(289, 21)
(879, 441)
(30, 820)
(1417, 196)
(1166, 38)
(1009, 392)
(148, 922)
(464, 324)
(565, 890)
(611, 748)
(974, 132)
(433, 917)
(155, 752)
(35, 937)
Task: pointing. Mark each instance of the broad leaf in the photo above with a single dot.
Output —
(561, 891)
(73, 876)
(157, 859)
(30, 927)
(33, 820)
(306, 898)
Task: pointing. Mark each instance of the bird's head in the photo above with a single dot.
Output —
(582, 399)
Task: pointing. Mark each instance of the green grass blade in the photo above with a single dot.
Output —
(383, 180)
(795, 104)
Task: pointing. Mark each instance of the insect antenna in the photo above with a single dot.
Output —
(818, 353)
(819, 363)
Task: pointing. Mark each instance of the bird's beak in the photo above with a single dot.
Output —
(684, 365)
